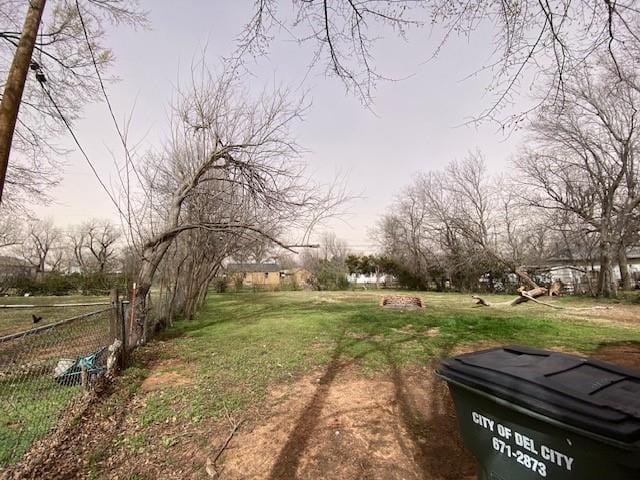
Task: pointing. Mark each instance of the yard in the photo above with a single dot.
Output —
(14, 320)
(31, 399)
(310, 385)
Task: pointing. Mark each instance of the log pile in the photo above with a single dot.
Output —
(523, 296)
(531, 294)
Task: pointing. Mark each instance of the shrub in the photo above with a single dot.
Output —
(238, 282)
(342, 283)
(54, 283)
(49, 284)
(331, 277)
(220, 285)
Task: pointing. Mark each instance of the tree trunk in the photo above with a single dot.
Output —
(526, 279)
(534, 292)
(151, 258)
(625, 277)
(556, 289)
(604, 276)
(14, 86)
(152, 255)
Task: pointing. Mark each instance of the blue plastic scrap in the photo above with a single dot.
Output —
(92, 363)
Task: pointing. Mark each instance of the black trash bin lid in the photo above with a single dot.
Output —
(595, 396)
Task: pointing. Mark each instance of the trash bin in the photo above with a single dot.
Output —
(529, 414)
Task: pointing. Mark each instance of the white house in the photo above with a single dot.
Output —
(370, 279)
(572, 272)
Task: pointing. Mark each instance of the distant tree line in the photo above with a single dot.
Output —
(85, 258)
(573, 192)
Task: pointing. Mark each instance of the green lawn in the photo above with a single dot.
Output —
(30, 408)
(18, 319)
(223, 362)
(239, 344)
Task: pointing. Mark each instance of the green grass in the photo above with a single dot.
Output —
(29, 409)
(239, 344)
(18, 319)
(31, 400)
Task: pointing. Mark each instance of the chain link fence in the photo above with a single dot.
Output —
(43, 368)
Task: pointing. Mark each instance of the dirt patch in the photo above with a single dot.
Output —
(342, 424)
(432, 332)
(625, 354)
(473, 347)
(609, 313)
(167, 373)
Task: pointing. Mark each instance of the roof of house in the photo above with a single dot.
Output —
(7, 261)
(632, 253)
(253, 267)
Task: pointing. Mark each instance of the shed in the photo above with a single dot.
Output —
(254, 274)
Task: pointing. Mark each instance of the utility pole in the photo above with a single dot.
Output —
(12, 95)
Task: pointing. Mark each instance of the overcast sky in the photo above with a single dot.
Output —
(416, 126)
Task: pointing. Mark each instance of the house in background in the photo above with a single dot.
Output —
(11, 267)
(371, 279)
(296, 278)
(575, 274)
(260, 275)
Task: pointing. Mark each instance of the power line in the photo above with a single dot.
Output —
(77, 142)
(128, 161)
(104, 91)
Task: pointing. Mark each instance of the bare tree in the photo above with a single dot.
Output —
(461, 224)
(94, 244)
(102, 237)
(68, 68)
(10, 232)
(584, 160)
(260, 249)
(76, 240)
(327, 263)
(550, 37)
(228, 169)
(333, 248)
(418, 233)
(41, 246)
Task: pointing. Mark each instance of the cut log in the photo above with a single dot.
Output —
(524, 296)
(555, 289)
(534, 292)
(526, 279)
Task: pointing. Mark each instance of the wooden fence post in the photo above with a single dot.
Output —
(114, 322)
(84, 377)
(117, 329)
(124, 356)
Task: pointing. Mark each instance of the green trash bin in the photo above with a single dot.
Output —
(527, 414)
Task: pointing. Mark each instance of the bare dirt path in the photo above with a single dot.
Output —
(343, 424)
(625, 354)
(611, 313)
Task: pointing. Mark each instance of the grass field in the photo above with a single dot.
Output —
(239, 344)
(31, 399)
(18, 319)
(241, 348)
